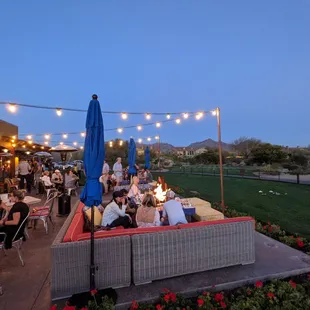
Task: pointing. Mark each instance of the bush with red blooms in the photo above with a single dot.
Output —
(271, 230)
(277, 295)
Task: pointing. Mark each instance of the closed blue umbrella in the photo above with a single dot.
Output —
(132, 157)
(147, 155)
(93, 162)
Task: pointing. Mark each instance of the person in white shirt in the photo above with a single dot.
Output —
(114, 214)
(118, 171)
(57, 179)
(46, 180)
(147, 215)
(105, 176)
(24, 174)
(173, 213)
(134, 193)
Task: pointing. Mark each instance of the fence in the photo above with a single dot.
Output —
(245, 173)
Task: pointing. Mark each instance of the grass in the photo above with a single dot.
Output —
(291, 211)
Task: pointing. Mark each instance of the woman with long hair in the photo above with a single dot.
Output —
(11, 223)
(134, 193)
(147, 215)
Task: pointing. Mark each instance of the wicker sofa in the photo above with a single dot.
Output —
(142, 255)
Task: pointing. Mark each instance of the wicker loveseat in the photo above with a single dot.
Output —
(141, 255)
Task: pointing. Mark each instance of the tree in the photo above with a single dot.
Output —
(206, 158)
(299, 158)
(244, 145)
(268, 154)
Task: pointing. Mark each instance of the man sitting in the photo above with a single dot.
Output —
(46, 180)
(173, 213)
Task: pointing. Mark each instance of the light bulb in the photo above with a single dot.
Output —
(75, 143)
(81, 147)
(33, 147)
(168, 116)
(121, 143)
(148, 116)
(83, 134)
(13, 144)
(214, 112)
(178, 121)
(140, 140)
(111, 143)
(30, 141)
(61, 143)
(185, 115)
(199, 115)
(149, 139)
(29, 137)
(46, 142)
(5, 150)
(12, 108)
(158, 124)
(42, 147)
(124, 115)
(24, 146)
(119, 130)
(47, 137)
(14, 137)
(139, 127)
(156, 137)
(59, 112)
(65, 136)
(27, 153)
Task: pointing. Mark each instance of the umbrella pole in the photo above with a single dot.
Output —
(92, 251)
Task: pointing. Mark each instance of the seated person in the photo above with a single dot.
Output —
(70, 179)
(11, 223)
(46, 180)
(149, 177)
(173, 213)
(114, 214)
(57, 179)
(147, 215)
(134, 191)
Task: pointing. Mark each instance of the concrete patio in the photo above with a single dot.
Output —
(28, 288)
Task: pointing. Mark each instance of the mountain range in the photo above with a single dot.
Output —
(208, 143)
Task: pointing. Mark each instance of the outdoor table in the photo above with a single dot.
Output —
(29, 200)
(142, 187)
(189, 211)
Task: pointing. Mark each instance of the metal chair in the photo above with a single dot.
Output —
(71, 187)
(17, 244)
(48, 190)
(44, 213)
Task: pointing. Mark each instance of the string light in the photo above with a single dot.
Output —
(12, 108)
(139, 140)
(168, 116)
(119, 130)
(47, 137)
(13, 144)
(75, 143)
(12, 140)
(13, 137)
(158, 124)
(199, 115)
(30, 141)
(148, 116)
(29, 137)
(139, 127)
(46, 142)
(5, 150)
(124, 115)
(185, 115)
(28, 153)
(214, 112)
(65, 136)
(178, 121)
(149, 139)
(121, 142)
(156, 137)
(42, 147)
(111, 143)
(33, 147)
(81, 147)
(61, 143)
(83, 134)
(59, 112)
(24, 146)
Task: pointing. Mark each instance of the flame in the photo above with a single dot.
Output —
(160, 194)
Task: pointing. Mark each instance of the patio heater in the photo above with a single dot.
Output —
(64, 201)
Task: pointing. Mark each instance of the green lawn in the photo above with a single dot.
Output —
(291, 211)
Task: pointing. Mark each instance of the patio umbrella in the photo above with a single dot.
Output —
(43, 154)
(147, 156)
(93, 162)
(132, 157)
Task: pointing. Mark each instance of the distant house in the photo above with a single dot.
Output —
(184, 151)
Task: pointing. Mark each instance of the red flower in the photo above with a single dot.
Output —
(300, 243)
(293, 284)
(264, 227)
(167, 298)
(200, 302)
(54, 307)
(159, 307)
(165, 290)
(134, 305)
(259, 284)
(205, 293)
(93, 292)
(270, 229)
(223, 305)
(69, 307)
(218, 297)
(173, 297)
(249, 292)
(268, 223)
(271, 295)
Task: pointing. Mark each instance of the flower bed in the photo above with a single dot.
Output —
(271, 230)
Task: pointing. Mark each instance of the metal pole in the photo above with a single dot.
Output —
(92, 250)
(158, 152)
(220, 157)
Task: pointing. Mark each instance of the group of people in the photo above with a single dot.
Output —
(119, 174)
(124, 210)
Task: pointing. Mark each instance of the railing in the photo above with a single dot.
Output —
(245, 173)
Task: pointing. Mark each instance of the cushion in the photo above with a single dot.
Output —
(97, 214)
(204, 213)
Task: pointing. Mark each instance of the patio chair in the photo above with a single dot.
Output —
(48, 190)
(44, 213)
(16, 243)
(8, 183)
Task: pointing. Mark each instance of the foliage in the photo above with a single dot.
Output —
(267, 153)
(298, 158)
(278, 295)
(206, 158)
(244, 145)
